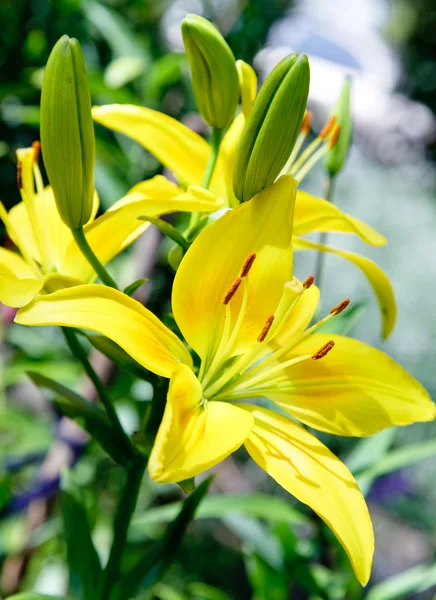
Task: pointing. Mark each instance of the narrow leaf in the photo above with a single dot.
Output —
(405, 585)
(131, 289)
(91, 417)
(168, 230)
(83, 562)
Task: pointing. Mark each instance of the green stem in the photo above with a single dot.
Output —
(217, 135)
(88, 253)
(320, 258)
(122, 520)
(78, 351)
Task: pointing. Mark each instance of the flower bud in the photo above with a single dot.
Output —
(67, 132)
(336, 156)
(272, 127)
(214, 75)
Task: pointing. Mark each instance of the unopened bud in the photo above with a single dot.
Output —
(337, 154)
(272, 127)
(247, 85)
(214, 75)
(67, 132)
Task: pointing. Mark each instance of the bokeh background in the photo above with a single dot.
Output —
(135, 55)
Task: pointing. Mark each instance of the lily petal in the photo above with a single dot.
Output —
(193, 436)
(177, 147)
(117, 228)
(315, 214)
(299, 318)
(307, 469)
(355, 390)
(227, 154)
(264, 226)
(114, 315)
(16, 291)
(377, 278)
(248, 85)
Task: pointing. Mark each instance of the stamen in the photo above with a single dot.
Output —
(232, 290)
(328, 127)
(323, 351)
(37, 149)
(336, 310)
(266, 328)
(307, 122)
(20, 175)
(335, 136)
(308, 282)
(248, 263)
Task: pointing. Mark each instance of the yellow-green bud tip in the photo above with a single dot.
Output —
(213, 68)
(67, 132)
(272, 127)
(338, 152)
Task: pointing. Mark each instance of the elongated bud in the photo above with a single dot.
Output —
(337, 154)
(272, 127)
(214, 76)
(67, 132)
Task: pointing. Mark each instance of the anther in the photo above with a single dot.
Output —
(323, 351)
(340, 307)
(327, 127)
(248, 263)
(307, 122)
(36, 151)
(232, 290)
(20, 175)
(334, 136)
(308, 282)
(262, 335)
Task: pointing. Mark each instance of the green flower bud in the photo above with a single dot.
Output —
(67, 132)
(214, 75)
(272, 127)
(336, 156)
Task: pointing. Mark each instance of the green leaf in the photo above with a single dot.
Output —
(33, 596)
(131, 289)
(91, 417)
(152, 566)
(83, 562)
(368, 451)
(345, 321)
(117, 355)
(167, 229)
(202, 591)
(402, 586)
(124, 69)
(218, 507)
(395, 460)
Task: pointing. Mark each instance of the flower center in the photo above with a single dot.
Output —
(231, 374)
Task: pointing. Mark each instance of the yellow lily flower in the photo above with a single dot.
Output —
(241, 310)
(48, 255)
(185, 153)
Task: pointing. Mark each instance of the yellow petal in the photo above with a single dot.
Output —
(307, 469)
(315, 214)
(355, 390)
(15, 290)
(194, 436)
(116, 228)
(114, 315)
(248, 85)
(377, 278)
(57, 234)
(227, 154)
(263, 226)
(177, 147)
(299, 318)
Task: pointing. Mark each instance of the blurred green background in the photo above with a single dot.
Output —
(261, 547)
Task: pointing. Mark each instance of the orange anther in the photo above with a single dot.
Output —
(262, 335)
(334, 136)
(328, 127)
(340, 307)
(36, 151)
(308, 282)
(307, 122)
(323, 351)
(248, 263)
(20, 175)
(232, 290)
